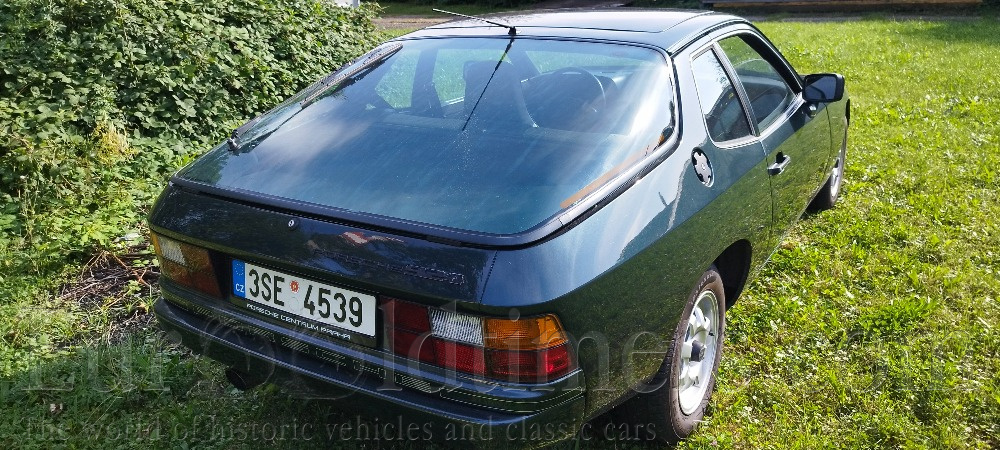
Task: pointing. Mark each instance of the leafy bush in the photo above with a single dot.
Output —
(486, 3)
(185, 67)
(100, 98)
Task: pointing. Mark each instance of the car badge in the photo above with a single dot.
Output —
(293, 223)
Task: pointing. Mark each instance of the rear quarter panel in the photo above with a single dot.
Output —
(619, 279)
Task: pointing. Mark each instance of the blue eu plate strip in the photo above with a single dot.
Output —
(238, 278)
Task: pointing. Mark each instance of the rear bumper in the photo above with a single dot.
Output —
(424, 402)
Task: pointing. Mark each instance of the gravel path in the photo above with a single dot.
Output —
(414, 22)
(393, 22)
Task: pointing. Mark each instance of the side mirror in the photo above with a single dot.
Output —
(823, 88)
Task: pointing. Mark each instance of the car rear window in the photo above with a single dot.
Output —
(485, 135)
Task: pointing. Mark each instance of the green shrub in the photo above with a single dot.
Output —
(184, 67)
(482, 3)
(100, 98)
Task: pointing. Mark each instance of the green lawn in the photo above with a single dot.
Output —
(875, 324)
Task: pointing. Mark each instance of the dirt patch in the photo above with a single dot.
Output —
(115, 291)
(414, 22)
(407, 22)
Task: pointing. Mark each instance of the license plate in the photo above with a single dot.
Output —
(300, 298)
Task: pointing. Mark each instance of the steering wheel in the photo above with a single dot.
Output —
(591, 96)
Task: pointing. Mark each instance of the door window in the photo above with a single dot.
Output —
(724, 115)
(766, 89)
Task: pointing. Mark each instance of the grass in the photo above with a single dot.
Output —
(875, 325)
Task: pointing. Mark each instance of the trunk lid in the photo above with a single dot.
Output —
(371, 261)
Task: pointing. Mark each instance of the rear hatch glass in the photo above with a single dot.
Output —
(493, 136)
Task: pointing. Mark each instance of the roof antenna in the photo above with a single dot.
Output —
(511, 30)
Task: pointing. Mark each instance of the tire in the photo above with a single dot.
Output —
(827, 196)
(678, 403)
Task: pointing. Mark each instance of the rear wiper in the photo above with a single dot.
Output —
(492, 74)
(511, 30)
(370, 62)
(234, 140)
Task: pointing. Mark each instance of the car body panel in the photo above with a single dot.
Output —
(353, 257)
(604, 20)
(367, 383)
(667, 29)
(806, 140)
(647, 264)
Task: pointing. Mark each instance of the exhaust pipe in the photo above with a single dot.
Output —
(242, 380)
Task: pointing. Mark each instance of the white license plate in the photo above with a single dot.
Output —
(304, 298)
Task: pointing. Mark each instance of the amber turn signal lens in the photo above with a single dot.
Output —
(531, 333)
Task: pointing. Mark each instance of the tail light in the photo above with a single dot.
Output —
(529, 350)
(187, 265)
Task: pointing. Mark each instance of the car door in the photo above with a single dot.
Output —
(730, 159)
(795, 134)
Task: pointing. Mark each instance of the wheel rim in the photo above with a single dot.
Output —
(697, 361)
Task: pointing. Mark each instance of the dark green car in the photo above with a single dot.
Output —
(506, 227)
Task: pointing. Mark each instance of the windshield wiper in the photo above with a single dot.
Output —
(370, 62)
(511, 30)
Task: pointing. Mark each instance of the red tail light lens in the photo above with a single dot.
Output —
(528, 350)
(461, 357)
(187, 265)
(409, 330)
(530, 366)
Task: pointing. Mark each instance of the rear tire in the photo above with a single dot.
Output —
(684, 383)
(827, 196)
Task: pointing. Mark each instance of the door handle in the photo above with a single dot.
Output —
(780, 164)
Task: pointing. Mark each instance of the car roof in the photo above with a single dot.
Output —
(668, 29)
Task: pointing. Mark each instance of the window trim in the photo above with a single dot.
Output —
(731, 69)
(784, 69)
(740, 95)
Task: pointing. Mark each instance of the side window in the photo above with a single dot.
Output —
(723, 111)
(767, 90)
